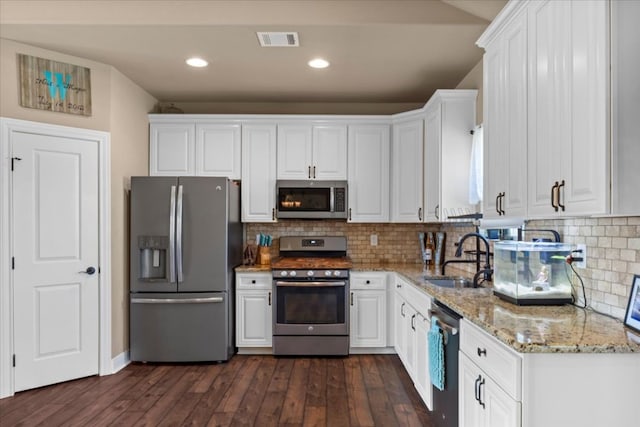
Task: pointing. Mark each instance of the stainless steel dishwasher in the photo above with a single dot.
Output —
(445, 402)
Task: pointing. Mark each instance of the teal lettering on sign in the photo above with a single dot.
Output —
(59, 85)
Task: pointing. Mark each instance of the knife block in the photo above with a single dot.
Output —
(264, 255)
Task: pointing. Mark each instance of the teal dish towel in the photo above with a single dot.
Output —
(435, 341)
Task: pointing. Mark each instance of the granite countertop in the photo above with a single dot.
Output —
(526, 329)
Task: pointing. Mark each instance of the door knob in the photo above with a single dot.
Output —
(89, 271)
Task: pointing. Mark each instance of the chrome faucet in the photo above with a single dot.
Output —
(486, 269)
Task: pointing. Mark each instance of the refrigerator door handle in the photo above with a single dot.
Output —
(179, 235)
(172, 234)
(176, 300)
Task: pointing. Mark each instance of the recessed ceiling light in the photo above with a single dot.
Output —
(197, 62)
(318, 63)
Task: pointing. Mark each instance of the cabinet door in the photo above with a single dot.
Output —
(218, 150)
(253, 318)
(411, 319)
(481, 401)
(368, 318)
(258, 173)
(568, 102)
(406, 172)
(422, 379)
(368, 158)
(432, 156)
(329, 152)
(500, 409)
(470, 412)
(294, 152)
(505, 126)
(400, 335)
(172, 149)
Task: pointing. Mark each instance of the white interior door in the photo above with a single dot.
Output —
(55, 243)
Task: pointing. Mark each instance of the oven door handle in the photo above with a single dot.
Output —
(311, 284)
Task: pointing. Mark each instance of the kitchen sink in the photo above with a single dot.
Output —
(449, 281)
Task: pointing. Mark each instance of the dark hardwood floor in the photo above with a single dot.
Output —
(360, 390)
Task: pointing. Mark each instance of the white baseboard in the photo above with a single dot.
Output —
(120, 362)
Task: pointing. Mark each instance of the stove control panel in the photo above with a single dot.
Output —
(311, 274)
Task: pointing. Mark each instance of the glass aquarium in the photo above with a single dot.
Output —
(532, 273)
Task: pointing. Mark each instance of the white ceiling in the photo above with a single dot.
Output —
(381, 51)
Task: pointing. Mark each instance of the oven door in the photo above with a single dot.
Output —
(311, 307)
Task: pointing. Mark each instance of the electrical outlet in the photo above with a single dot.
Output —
(373, 239)
(583, 255)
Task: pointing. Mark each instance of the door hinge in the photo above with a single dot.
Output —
(13, 159)
(13, 263)
(14, 360)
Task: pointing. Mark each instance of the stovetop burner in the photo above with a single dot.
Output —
(312, 257)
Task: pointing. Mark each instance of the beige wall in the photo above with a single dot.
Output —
(473, 80)
(129, 157)
(10, 102)
(118, 107)
(370, 108)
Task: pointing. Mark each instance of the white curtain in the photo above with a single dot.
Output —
(475, 167)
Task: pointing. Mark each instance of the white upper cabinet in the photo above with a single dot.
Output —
(505, 122)
(258, 173)
(449, 118)
(368, 154)
(625, 87)
(172, 149)
(189, 146)
(312, 152)
(547, 100)
(218, 150)
(568, 108)
(406, 170)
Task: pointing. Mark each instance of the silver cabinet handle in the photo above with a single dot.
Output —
(176, 300)
(172, 236)
(179, 235)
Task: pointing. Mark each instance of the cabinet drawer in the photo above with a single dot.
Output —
(418, 299)
(253, 281)
(501, 363)
(368, 281)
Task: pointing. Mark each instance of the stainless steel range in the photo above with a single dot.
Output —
(311, 304)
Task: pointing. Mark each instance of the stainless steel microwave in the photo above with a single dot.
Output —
(311, 199)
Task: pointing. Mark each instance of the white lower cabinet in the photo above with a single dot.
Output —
(410, 313)
(253, 310)
(368, 311)
(482, 402)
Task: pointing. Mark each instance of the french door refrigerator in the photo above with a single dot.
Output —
(186, 238)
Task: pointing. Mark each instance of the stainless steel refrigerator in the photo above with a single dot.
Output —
(186, 238)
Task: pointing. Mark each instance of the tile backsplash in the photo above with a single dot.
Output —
(613, 248)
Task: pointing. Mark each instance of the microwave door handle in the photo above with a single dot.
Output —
(172, 236)
(332, 207)
(179, 235)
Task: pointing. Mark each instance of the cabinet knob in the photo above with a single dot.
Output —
(368, 282)
(482, 352)
(253, 281)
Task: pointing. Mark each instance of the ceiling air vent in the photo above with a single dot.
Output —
(278, 39)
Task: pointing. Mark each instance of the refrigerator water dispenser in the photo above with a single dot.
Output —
(153, 257)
